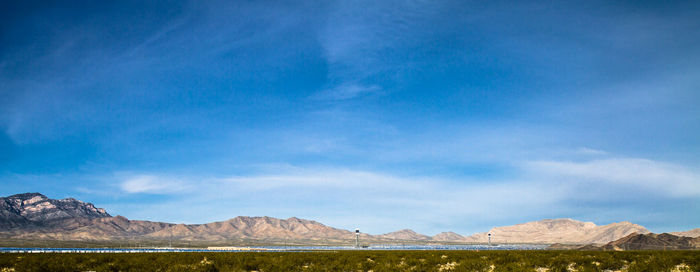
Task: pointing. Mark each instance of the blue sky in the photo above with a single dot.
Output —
(382, 115)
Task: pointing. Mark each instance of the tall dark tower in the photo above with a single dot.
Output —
(357, 238)
(489, 239)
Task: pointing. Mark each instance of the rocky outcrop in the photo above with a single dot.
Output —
(652, 241)
(23, 210)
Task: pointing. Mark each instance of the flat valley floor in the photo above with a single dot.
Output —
(362, 260)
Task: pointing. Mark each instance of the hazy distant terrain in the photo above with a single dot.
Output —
(33, 216)
(690, 233)
(559, 231)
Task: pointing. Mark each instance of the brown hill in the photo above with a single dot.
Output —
(448, 237)
(654, 241)
(243, 227)
(120, 228)
(405, 234)
(107, 228)
(563, 231)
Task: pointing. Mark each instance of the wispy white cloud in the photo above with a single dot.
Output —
(337, 195)
(654, 175)
(591, 151)
(340, 197)
(152, 184)
(358, 39)
(379, 202)
(346, 91)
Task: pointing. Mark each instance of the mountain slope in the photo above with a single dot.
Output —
(566, 231)
(689, 233)
(649, 241)
(35, 216)
(448, 237)
(255, 228)
(404, 234)
(121, 228)
(22, 210)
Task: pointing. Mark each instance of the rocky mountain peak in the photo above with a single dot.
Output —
(35, 208)
(28, 198)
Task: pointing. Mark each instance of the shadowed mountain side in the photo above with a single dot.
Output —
(652, 241)
(22, 210)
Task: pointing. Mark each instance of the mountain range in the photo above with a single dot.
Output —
(663, 241)
(33, 216)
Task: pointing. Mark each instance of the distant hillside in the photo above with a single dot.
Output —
(689, 233)
(653, 241)
(405, 234)
(449, 237)
(33, 216)
(254, 228)
(564, 231)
